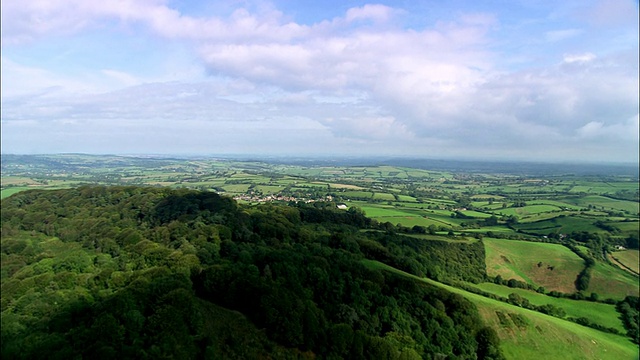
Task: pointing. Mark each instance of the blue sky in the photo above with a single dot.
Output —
(530, 80)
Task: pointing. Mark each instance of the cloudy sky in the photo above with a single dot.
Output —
(503, 79)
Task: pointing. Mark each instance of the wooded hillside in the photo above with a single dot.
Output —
(160, 273)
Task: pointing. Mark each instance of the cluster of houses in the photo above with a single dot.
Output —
(277, 197)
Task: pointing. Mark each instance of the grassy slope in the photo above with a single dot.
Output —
(545, 337)
(630, 258)
(12, 190)
(608, 203)
(612, 282)
(519, 260)
(565, 225)
(599, 313)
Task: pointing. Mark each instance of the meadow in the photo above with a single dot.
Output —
(599, 313)
(606, 203)
(538, 336)
(609, 281)
(551, 266)
(629, 258)
(562, 224)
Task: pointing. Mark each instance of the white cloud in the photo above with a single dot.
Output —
(378, 13)
(360, 76)
(29, 20)
(598, 130)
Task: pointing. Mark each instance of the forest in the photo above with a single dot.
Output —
(140, 272)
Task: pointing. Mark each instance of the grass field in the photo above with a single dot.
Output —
(564, 225)
(383, 196)
(443, 238)
(12, 190)
(357, 194)
(599, 313)
(18, 180)
(527, 210)
(411, 221)
(556, 203)
(406, 215)
(544, 337)
(236, 188)
(269, 189)
(476, 214)
(612, 282)
(549, 265)
(627, 227)
(630, 258)
(607, 203)
(407, 198)
(384, 210)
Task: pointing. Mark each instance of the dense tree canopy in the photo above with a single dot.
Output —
(160, 273)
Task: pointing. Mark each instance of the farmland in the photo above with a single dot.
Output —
(539, 234)
(551, 266)
(629, 259)
(540, 335)
(600, 313)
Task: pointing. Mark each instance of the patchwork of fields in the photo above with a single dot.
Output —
(522, 220)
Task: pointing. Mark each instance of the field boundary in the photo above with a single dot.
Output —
(623, 266)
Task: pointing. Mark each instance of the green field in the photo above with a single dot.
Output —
(606, 203)
(561, 225)
(556, 203)
(629, 258)
(383, 196)
(406, 198)
(406, 216)
(627, 227)
(357, 194)
(544, 337)
(373, 211)
(456, 239)
(269, 189)
(12, 190)
(609, 281)
(551, 204)
(527, 210)
(476, 214)
(599, 313)
(549, 265)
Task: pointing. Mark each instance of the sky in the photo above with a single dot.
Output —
(531, 80)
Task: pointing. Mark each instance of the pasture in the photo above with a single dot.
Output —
(543, 336)
(527, 210)
(599, 313)
(626, 227)
(541, 264)
(629, 258)
(560, 225)
(13, 190)
(406, 216)
(456, 239)
(556, 203)
(606, 203)
(19, 181)
(609, 281)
